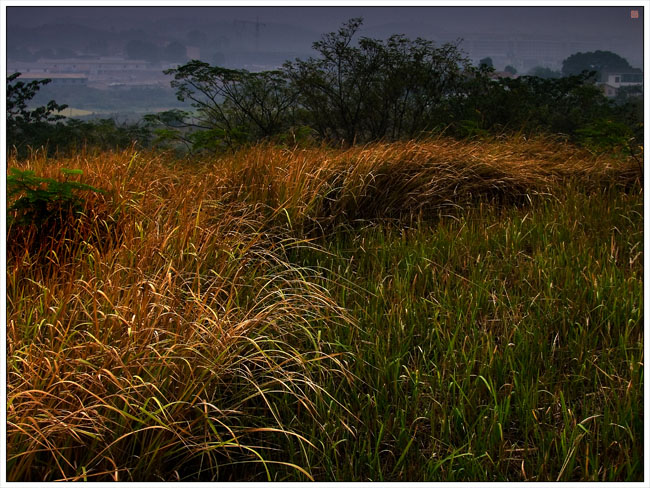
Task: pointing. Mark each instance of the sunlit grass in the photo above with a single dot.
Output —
(435, 311)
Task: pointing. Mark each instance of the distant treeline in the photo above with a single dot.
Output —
(355, 91)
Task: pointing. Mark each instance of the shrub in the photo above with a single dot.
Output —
(44, 205)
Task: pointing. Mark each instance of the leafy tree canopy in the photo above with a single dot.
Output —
(486, 62)
(373, 89)
(598, 61)
(20, 119)
(43, 127)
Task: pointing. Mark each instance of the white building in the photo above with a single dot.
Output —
(620, 79)
(611, 82)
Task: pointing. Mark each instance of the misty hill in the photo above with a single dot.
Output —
(228, 38)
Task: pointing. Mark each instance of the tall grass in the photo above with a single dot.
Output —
(439, 310)
(162, 348)
(502, 345)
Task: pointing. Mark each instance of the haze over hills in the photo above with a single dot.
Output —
(293, 29)
(55, 39)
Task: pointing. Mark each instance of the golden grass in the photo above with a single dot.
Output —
(155, 339)
(404, 179)
(172, 330)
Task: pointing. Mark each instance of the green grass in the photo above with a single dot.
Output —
(436, 311)
(496, 344)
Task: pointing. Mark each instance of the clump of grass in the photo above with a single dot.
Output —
(318, 188)
(194, 332)
(164, 355)
(500, 344)
(43, 213)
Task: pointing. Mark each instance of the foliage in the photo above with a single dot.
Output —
(486, 62)
(476, 316)
(393, 89)
(625, 93)
(103, 134)
(42, 127)
(531, 104)
(630, 111)
(237, 106)
(605, 134)
(376, 89)
(45, 205)
(471, 128)
(24, 125)
(361, 90)
(611, 136)
(599, 61)
(355, 90)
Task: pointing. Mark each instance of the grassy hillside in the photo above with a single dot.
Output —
(432, 311)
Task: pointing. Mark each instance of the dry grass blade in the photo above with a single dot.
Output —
(169, 334)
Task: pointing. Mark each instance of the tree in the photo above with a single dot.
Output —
(598, 61)
(532, 104)
(27, 126)
(328, 85)
(486, 62)
(375, 89)
(231, 106)
(510, 69)
(356, 90)
(42, 126)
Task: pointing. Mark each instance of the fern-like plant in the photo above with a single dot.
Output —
(34, 200)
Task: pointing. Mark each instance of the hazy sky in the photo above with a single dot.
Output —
(607, 28)
(550, 20)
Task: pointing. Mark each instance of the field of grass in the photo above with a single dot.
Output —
(430, 311)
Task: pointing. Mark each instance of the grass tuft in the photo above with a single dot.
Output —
(424, 311)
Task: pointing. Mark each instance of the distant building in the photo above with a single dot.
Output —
(75, 79)
(612, 82)
(620, 79)
(79, 65)
(98, 72)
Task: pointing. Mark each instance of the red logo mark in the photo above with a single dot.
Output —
(634, 14)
